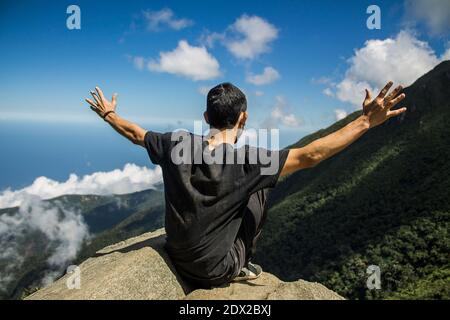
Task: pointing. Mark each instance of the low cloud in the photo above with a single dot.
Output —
(279, 116)
(131, 178)
(192, 62)
(64, 231)
(155, 20)
(269, 75)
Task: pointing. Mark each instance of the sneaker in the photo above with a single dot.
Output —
(250, 272)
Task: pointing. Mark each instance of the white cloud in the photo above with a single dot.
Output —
(340, 114)
(64, 230)
(279, 116)
(247, 38)
(435, 14)
(139, 62)
(254, 34)
(328, 92)
(269, 75)
(131, 179)
(210, 38)
(321, 80)
(188, 61)
(164, 17)
(349, 90)
(259, 93)
(402, 59)
(154, 21)
(446, 54)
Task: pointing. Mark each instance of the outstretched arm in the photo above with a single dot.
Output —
(107, 111)
(375, 112)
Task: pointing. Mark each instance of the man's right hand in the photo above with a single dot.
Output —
(100, 104)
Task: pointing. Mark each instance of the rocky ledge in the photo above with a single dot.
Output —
(139, 268)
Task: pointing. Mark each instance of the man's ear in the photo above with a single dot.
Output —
(242, 119)
(205, 115)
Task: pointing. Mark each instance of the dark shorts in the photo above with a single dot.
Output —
(244, 246)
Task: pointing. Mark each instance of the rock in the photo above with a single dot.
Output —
(139, 268)
(267, 287)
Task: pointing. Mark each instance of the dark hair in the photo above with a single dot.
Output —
(225, 102)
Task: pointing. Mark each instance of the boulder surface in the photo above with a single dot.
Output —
(139, 268)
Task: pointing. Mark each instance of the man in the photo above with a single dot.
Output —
(215, 210)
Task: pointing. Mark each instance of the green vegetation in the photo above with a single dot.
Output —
(384, 201)
(148, 215)
(110, 219)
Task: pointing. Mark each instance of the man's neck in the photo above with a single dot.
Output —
(217, 137)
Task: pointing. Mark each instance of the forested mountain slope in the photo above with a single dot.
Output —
(383, 201)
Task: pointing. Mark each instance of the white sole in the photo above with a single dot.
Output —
(248, 278)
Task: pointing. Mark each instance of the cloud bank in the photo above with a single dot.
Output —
(131, 178)
(63, 229)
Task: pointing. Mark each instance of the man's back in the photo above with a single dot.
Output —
(205, 199)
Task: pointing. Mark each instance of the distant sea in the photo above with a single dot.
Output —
(30, 150)
(33, 149)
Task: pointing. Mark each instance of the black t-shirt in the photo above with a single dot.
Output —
(205, 199)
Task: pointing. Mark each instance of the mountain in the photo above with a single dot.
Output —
(139, 268)
(109, 219)
(383, 201)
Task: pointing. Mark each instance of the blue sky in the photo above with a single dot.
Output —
(321, 53)
(52, 68)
